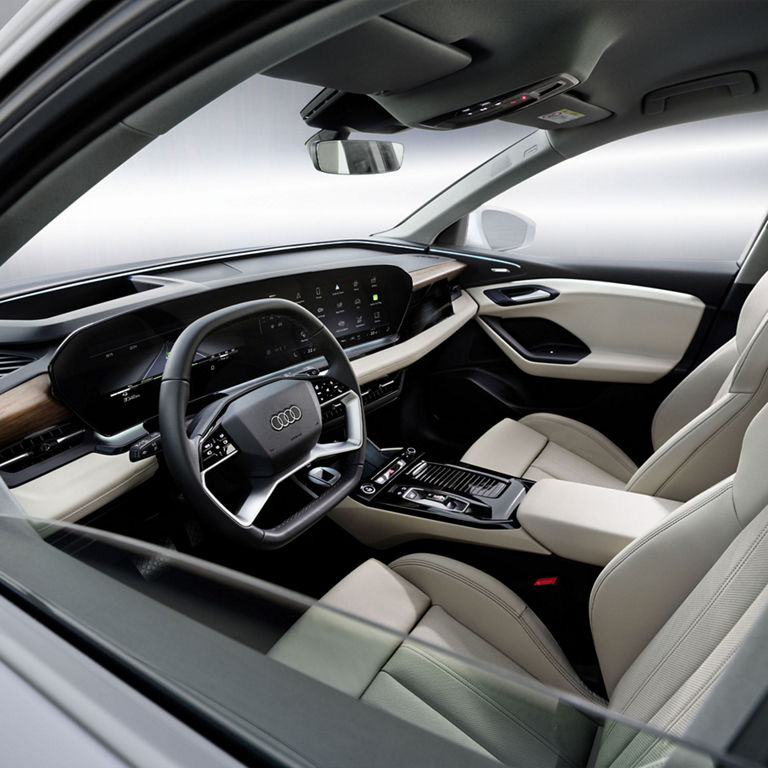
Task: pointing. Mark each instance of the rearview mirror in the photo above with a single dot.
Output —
(356, 157)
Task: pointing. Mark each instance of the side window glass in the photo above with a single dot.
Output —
(689, 192)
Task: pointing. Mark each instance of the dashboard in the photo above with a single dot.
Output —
(81, 362)
(109, 373)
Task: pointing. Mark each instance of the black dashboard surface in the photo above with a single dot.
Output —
(109, 372)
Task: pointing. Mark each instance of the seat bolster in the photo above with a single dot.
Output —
(694, 394)
(494, 613)
(643, 585)
(584, 441)
(508, 447)
(705, 450)
(752, 313)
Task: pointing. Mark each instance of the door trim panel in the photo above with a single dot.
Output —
(634, 333)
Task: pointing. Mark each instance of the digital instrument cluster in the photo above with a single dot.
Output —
(109, 373)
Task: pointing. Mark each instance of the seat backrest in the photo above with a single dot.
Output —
(672, 608)
(698, 429)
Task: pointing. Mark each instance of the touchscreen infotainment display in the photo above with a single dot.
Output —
(109, 373)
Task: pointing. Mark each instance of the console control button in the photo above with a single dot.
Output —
(368, 489)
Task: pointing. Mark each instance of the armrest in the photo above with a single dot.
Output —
(586, 522)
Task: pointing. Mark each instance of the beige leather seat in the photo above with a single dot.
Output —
(668, 615)
(696, 432)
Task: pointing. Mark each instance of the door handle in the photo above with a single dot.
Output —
(523, 294)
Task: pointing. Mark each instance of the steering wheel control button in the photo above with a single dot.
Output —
(327, 389)
(216, 447)
(332, 412)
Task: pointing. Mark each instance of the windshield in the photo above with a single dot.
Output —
(236, 174)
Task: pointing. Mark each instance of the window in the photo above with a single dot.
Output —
(236, 174)
(695, 191)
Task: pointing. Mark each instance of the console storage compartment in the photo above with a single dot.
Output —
(588, 523)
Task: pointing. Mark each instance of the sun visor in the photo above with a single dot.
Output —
(376, 56)
(562, 111)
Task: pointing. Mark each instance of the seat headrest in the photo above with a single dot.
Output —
(752, 313)
(750, 486)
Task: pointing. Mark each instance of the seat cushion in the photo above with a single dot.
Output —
(545, 445)
(449, 620)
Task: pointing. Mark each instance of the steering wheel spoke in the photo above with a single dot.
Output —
(354, 425)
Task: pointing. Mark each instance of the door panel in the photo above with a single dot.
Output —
(628, 333)
(468, 383)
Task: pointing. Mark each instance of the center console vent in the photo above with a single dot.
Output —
(457, 480)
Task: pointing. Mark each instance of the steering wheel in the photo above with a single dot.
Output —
(271, 430)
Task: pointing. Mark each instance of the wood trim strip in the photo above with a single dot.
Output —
(29, 408)
(429, 275)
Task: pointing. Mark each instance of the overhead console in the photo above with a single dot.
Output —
(503, 104)
(109, 373)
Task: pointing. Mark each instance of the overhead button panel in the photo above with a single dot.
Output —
(504, 104)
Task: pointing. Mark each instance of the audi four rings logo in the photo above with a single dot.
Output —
(285, 418)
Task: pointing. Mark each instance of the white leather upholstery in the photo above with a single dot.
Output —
(461, 610)
(524, 449)
(694, 394)
(696, 432)
(587, 523)
(668, 615)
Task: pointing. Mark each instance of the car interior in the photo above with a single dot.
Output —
(481, 467)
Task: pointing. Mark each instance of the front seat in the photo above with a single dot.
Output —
(696, 432)
(668, 614)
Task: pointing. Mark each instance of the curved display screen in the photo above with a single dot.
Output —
(109, 373)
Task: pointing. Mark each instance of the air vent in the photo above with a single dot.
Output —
(458, 480)
(40, 446)
(10, 362)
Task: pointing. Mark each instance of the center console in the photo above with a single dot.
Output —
(405, 496)
(406, 481)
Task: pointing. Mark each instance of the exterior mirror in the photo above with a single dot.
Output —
(500, 230)
(356, 157)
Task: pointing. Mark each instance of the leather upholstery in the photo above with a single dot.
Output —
(587, 523)
(516, 448)
(445, 608)
(668, 615)
(696, 432)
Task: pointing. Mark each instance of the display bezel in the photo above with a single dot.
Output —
(82, 367)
